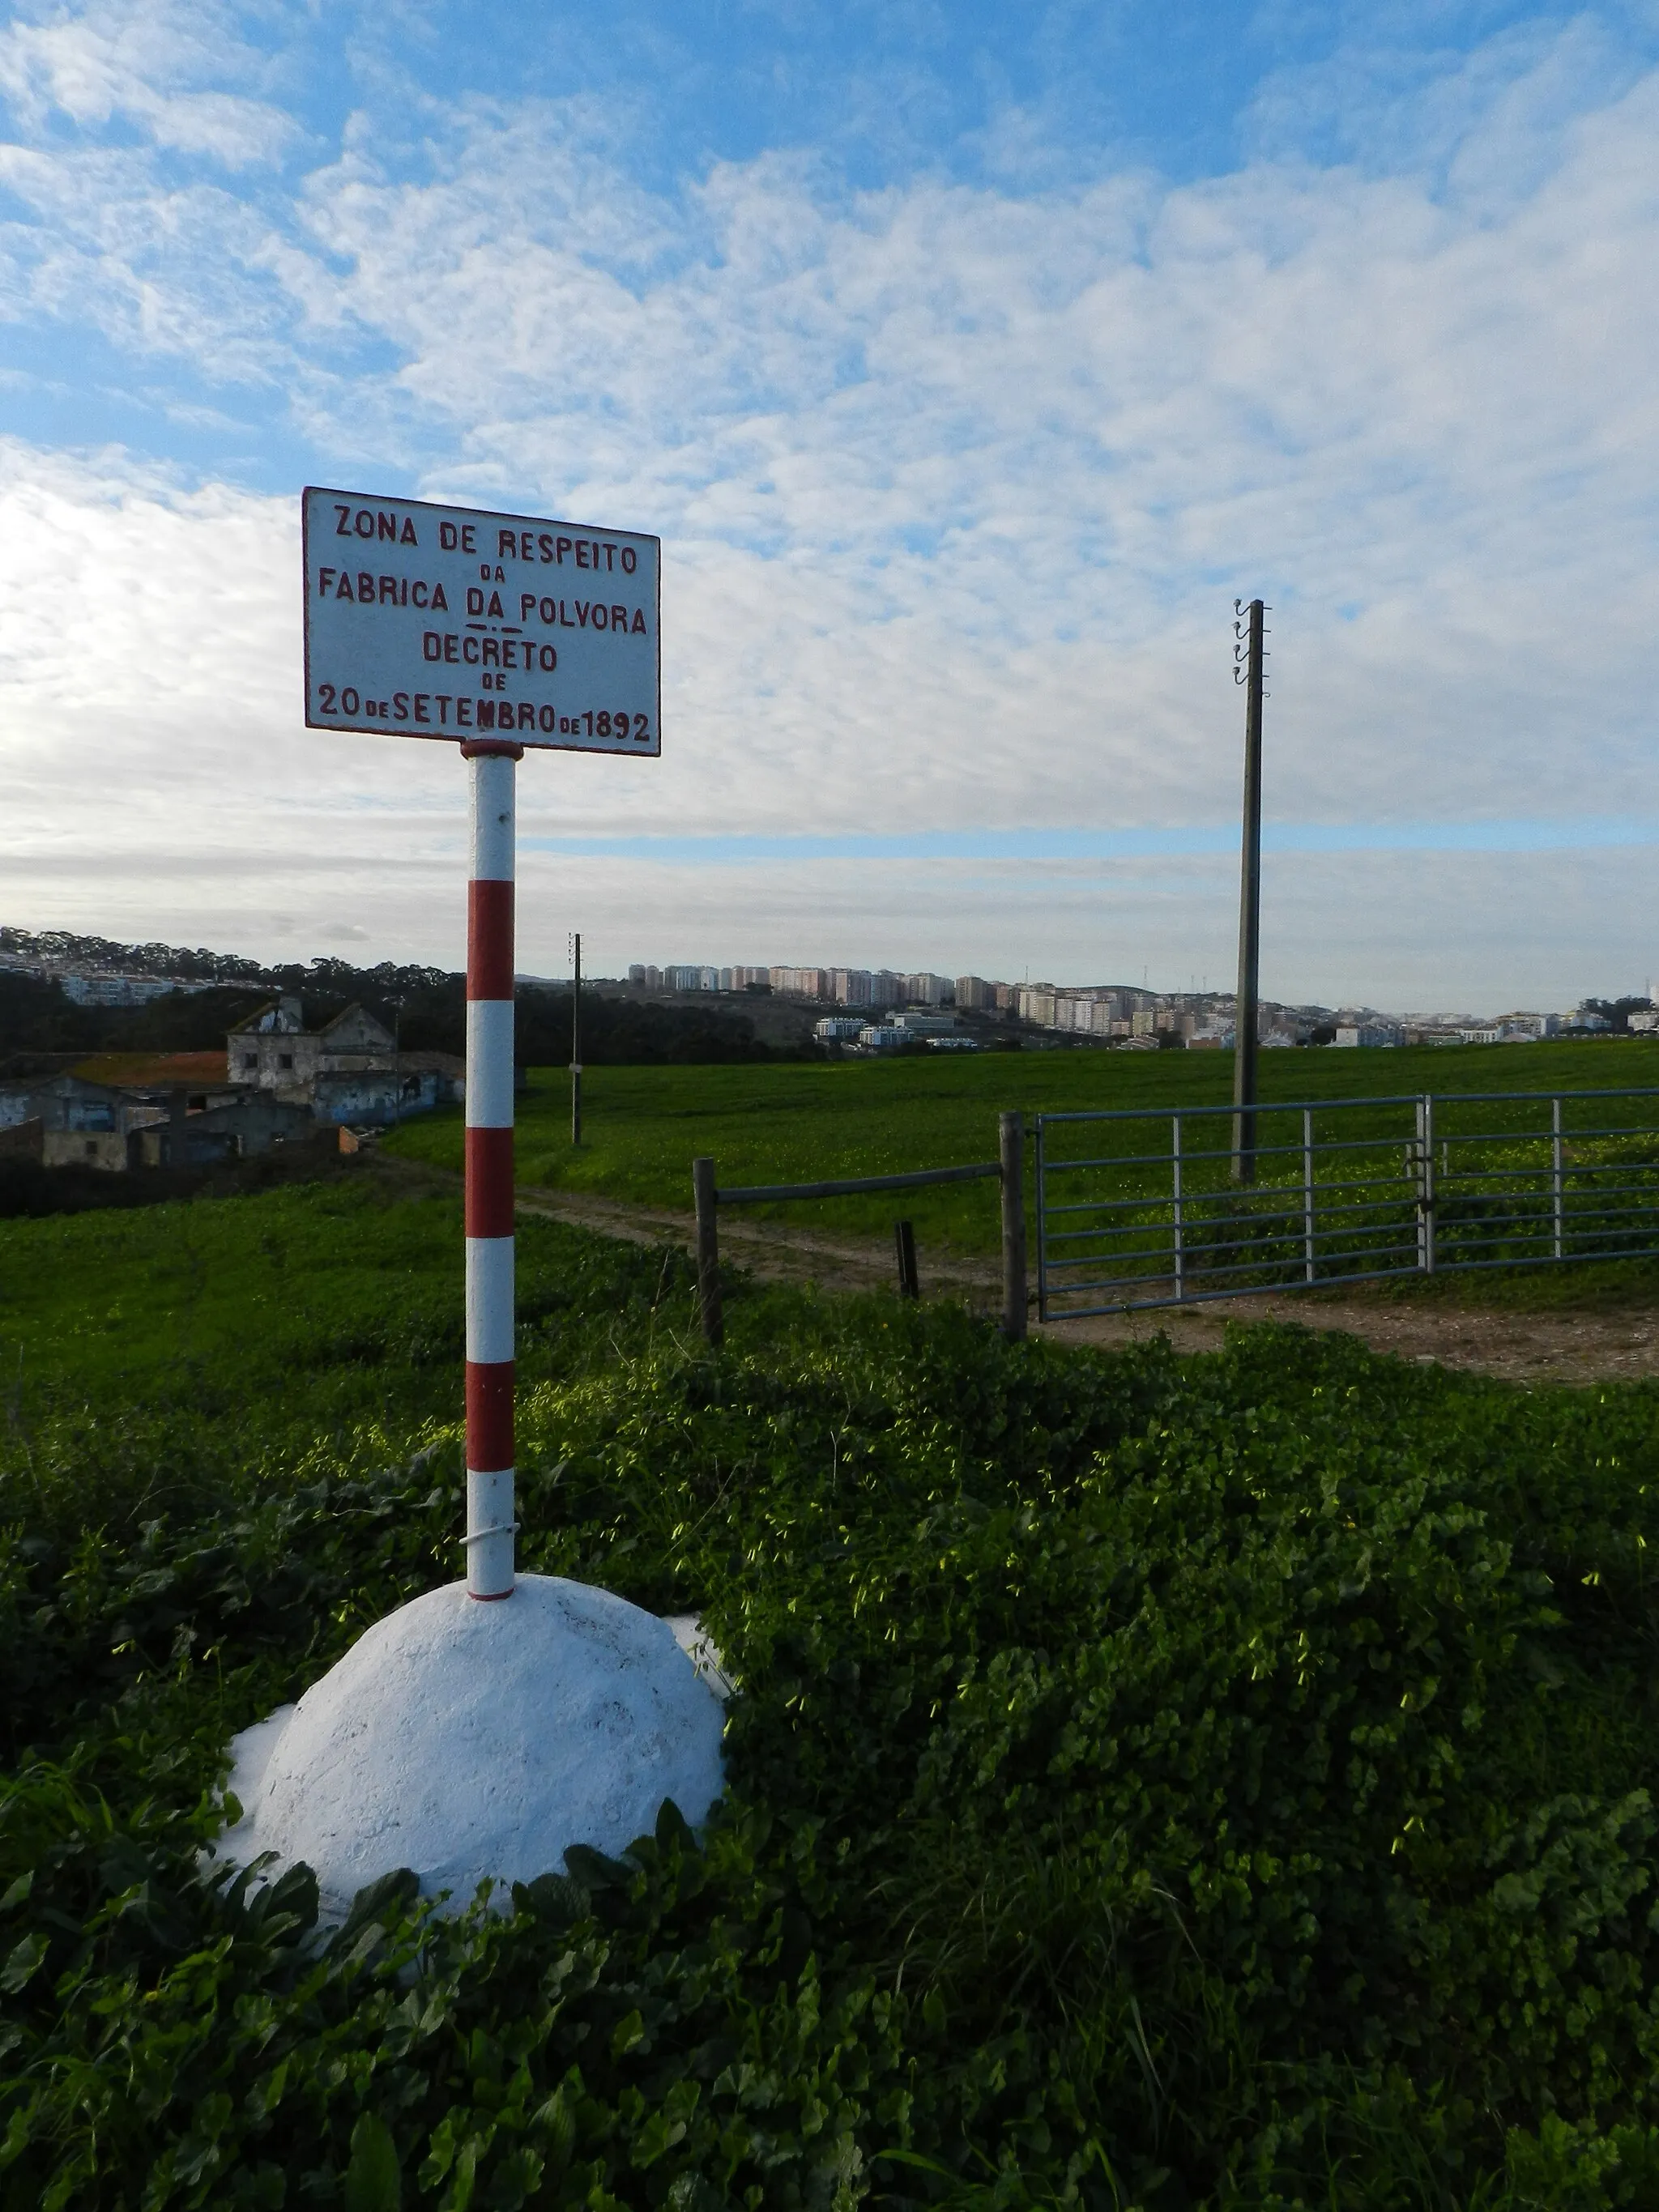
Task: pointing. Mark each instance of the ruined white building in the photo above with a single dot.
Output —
(348, 1071)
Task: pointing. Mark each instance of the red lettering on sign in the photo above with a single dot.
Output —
(619, 618)
(325, 578)
(439, 603)
(423, 700)
(432, 645)
(400, 705)
(639, 629)
(546, 545)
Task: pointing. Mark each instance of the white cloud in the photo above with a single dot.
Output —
(957, 484)
(157, 64)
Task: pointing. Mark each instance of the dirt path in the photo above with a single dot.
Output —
(1617, 1344)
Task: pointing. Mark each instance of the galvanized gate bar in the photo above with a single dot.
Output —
(1449, 1188)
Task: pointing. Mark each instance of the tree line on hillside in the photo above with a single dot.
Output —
(424, 1008)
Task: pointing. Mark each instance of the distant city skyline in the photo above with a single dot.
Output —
(96, 969)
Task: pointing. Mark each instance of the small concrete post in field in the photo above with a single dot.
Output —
(904, 1240)
(705, 1193)
(1011, 1129)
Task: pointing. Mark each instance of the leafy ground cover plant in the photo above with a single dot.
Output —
(1158, 1782)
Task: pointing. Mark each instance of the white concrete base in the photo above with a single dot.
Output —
(468, 1739)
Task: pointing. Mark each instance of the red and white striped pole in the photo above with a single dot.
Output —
(490, 1526)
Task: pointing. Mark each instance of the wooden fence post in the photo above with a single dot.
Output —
(705, 1191)
(904, 1240)
(1011, 1130)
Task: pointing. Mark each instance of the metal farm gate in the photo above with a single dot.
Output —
(1138, 1207)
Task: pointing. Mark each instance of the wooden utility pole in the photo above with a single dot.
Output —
(1247, 654)
(576, 1038)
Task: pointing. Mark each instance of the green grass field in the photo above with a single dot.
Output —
(643, 1127)
(1156, 1784)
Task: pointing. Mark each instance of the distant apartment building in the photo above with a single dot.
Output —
(928, 990)
(1036, 1004)
(800, 982)
(838, 1029)
(1364, 1034)
(121, 990)
(1085, 1014)
(865, 987)
(974, 995)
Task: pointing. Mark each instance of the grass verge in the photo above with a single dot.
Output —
(1158, 1782)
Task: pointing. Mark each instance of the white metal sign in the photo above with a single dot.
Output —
(445, 621)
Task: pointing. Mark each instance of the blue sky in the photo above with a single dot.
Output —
(969, 361)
